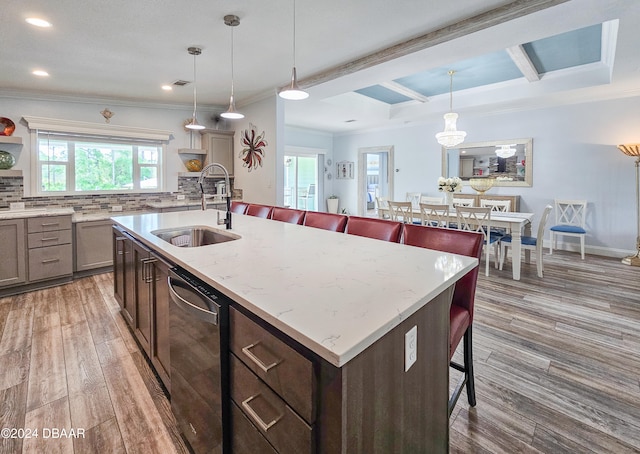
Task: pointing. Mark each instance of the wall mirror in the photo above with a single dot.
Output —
(480, 160)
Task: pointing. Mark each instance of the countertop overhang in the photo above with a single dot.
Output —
(334, 293)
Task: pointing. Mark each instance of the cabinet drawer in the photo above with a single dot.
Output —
(48, 262)
(284, 429)
(245, 438)
(52, 238)
(285, 370)
(48, 223)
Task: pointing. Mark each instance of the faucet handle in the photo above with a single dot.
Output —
(221, 221)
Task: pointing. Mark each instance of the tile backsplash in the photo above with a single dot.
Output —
(12, 190)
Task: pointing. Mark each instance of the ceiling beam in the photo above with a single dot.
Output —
(491, 18)
(401, 89)
(523, 62)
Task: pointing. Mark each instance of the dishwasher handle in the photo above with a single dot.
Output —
(199, 313)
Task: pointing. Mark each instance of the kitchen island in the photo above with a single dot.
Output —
(343, 304)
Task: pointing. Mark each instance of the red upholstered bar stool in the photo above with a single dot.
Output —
(461, 310)
(288, 215)
(239, 207)
(259, 211)
(326, 221)
(379, 229)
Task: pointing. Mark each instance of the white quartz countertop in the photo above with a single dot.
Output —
(334, 293)
(34, 212)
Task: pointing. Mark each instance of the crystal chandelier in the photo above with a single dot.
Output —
(505, 151)
(450, 137)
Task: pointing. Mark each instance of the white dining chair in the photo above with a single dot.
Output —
(401, 211)
(434, 215)
(383, 208)
(414, 198)
(496, 205)
(570, 221)
(528, 242)
(478, 219)
(432, 200)
(458, 202)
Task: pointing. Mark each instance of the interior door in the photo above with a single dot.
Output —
(375, 164)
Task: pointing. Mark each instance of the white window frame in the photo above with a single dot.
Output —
(100, 132)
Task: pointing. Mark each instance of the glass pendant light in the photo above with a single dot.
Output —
(232, 113)
(193, 123)
(293, 91)
(450, 137)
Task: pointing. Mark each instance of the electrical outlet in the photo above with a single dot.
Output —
(181, 197)
(116, 208)
(410, 348)
(16, 206)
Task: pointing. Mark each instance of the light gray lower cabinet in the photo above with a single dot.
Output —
(93, 245)
(12, 260)
(50, 250)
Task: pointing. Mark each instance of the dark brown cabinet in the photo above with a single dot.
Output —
(159, 352)
(123, 275)
(143, 273)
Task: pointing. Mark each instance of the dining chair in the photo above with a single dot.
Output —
(326, 221)
(289, 215)
(414, 198)
(432, 200)
(478, 219)
(379, 229)
(459, 202)
(570, 221)
(239, 207)
(260, 211)
(383, 208)
(528, 242)
(496, 205)
(434, 215)
(401, 211)
(462, 303)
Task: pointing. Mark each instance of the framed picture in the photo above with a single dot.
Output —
(345, 170)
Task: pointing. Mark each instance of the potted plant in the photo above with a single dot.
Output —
(332, 204)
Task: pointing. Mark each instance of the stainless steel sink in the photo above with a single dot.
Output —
(194, 236)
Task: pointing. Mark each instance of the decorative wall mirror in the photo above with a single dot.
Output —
(479, 159)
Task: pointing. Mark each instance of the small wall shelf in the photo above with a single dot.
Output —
(11, 139)
(192, 151)
(10, 173)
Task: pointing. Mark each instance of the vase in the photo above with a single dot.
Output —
(6, 160)
(332, 205)
(448, 200)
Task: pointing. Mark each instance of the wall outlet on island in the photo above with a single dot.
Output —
(181, 196)
(116, 208)
(410, 348)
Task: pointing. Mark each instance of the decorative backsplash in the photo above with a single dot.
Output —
(12, 190)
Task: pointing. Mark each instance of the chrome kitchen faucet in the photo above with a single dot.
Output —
(227, 219)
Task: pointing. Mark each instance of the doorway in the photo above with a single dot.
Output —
(301, 181)
(375, 164)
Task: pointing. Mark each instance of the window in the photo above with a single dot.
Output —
(76, 164)
(72, 157)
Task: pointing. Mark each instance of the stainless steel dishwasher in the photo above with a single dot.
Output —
(198, 332)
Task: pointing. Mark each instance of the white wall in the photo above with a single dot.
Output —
(574, 156)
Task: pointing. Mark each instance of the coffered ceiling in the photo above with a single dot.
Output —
(366, 63)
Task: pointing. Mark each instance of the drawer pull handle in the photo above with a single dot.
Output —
(263, 425)
(53, 238)
(50, 260)
(265, 368)
(49, 224)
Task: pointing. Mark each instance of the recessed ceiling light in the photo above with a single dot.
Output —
(38, 22)
(167, 87)
(39, 72)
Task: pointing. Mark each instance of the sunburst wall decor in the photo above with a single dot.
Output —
(253, 148)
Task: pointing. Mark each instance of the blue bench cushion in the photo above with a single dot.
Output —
(568, 229)
(528, 240)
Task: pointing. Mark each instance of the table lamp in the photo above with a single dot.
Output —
(634, 151)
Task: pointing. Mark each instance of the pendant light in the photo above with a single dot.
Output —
(193, 123)
(232, 113)
(293, 91)
(450, 137)
(505, 151)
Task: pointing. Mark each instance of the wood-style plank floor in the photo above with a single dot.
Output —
(557, 365)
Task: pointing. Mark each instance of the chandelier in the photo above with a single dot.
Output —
(450, 137)
(505, 151)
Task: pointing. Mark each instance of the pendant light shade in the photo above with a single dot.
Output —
(450, 137)
(293, 91)
(193, 122)
(232, 113)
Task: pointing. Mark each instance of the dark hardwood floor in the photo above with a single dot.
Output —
(557, 366)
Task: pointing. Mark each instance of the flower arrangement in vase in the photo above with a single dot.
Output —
(449, 184)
